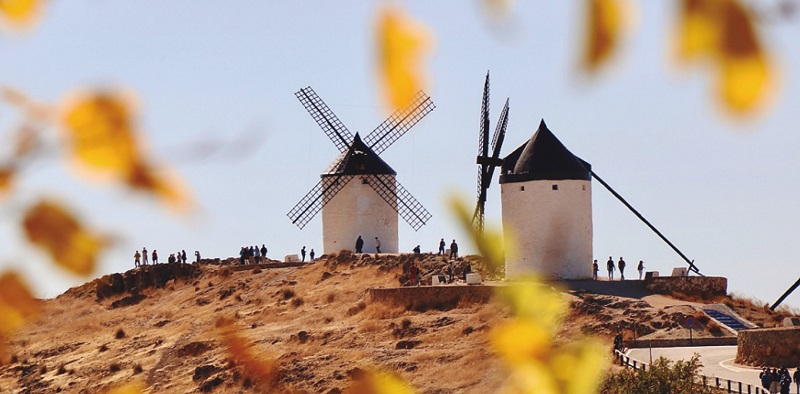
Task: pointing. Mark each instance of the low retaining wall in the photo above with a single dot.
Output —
(421, 298)
(680, 342)
(769, 347)
(701, 286)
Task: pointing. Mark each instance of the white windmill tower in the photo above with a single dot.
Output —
(546, 195)
(358, 193)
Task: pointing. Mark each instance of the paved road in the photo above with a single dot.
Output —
(717, 361)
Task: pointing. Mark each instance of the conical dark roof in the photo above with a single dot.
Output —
(359, 159)
(543, 157)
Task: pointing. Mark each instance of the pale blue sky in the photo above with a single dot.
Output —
(723, 191)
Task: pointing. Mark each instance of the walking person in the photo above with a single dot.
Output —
(377, 245)
(155, 257)
(610, 267)
(640, 267)
(621, 266)
(359, 245)
(453, 250)
(595, 269)
(441, 247)
(303, 254)
(136, 257)
(144, 256)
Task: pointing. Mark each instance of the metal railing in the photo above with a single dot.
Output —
(729, 386)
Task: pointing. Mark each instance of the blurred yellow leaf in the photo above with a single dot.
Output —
(241, 352)
(101, 133)
(604, 27)
(128, 388)
(17, 305)
(401, 45)
(379, 382)
(723, 31)
(581, 365)
(521, 340)
(489, 243)
(6, 179)
(50, 227)
(532, 377)
(498, 9)
(535, 301)
(21, 12)
(161, 184)
(746, 71)
(698, 31)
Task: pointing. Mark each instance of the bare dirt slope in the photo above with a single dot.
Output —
(315, 321)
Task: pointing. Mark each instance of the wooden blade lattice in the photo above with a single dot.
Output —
(325, 118)
(316, 198)
(399, 123)
(400, 200)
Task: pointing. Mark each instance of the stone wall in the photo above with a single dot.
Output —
(771, 347)
(706, 287)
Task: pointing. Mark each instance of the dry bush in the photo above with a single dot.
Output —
(330, 298)
(379, 310)
(224, 272)
(353, 310)
(119, 334)
(297, 301)
(286, 293)
(371, 326)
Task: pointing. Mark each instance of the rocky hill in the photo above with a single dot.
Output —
(315, 323)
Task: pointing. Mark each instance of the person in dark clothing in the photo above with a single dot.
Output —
(183, 256)
(417, 250)
(303, 254)
(311, 255)
(264, 251)
(377, 245)
(442, 244)
(621, 266)
(786, 383)
(595, 270)
(610, 267)
(155, 257)
(766, 378)
(359, 245)
(453, 250)
(796, 377)
(640, 267)
(171, 259)
(242, 255)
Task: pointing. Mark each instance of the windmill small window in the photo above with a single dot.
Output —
(364, 181)
(555, 187)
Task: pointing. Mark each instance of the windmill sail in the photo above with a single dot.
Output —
(399, 123)
(316, 198)
(325, 118)
(400, 200)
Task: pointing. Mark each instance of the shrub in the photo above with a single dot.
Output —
(662, 376)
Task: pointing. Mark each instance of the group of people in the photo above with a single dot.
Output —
(252, 254)
(453, 249)
(610, 266)
(140, 259)
(303, 254)
(778, 381)
(360, 245)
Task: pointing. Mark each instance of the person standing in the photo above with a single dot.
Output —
(183, 256)
(264, 252)
(155, 257)
(197, 256)
(377, 245)
(453, 250)
(136, 257)
(640, 267)
(610, 267)
(442, 244)
(144, 256)
(621, 265)
(796, 377)
(595, 269)
(303, 254)
(359, 245)
(311, 255)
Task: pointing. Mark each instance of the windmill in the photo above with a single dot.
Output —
(486, 163)
(368, 207)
